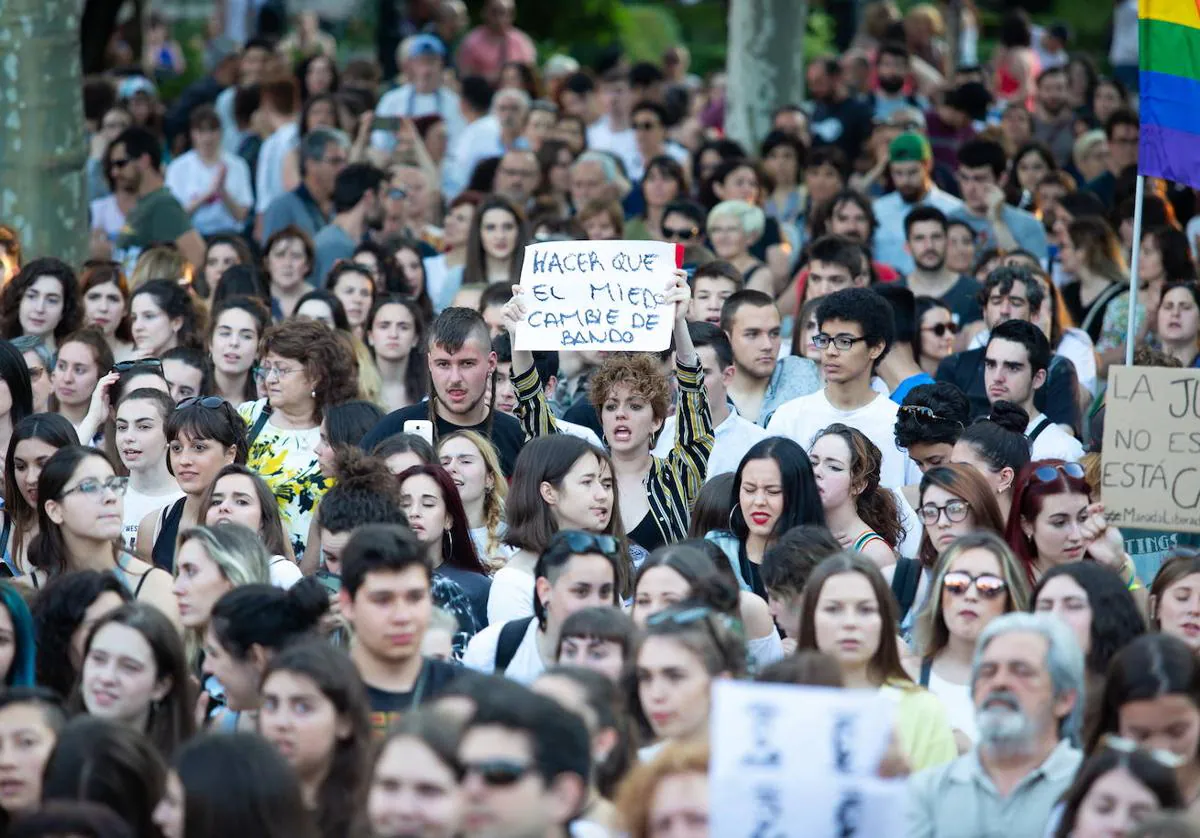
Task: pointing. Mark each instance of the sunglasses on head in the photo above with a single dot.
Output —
(210, 402)
(1048, 474)
(926, 413)
(579, 541)
(497, 773)
(988, 585)
(125, 366)
(942, 328)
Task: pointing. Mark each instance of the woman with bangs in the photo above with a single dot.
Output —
(395, 336)
(977, 579)
(105, 295)
(43, 300)
(560, 483)
(1053, 521)
(305, 369)
(849, 613)
(631, 398)
(203, 434)
(473, 465)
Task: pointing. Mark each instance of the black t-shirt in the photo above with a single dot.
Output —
(962, 298)
(506, 433)
(388, 707)
(1056, 398)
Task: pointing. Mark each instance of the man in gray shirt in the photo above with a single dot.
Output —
(996, 223)
(1027, 683)
(357, 206)
(322, 155)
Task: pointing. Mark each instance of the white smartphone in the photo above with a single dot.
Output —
(420, 427)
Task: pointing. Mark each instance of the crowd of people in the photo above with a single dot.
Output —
(296, 541)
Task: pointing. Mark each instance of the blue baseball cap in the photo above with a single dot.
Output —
(426, 46)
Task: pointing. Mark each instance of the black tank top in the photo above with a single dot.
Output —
(163, 552)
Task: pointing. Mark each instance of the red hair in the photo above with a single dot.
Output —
(458, 550)
(1028, 496)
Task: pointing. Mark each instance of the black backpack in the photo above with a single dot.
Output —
(511, 636)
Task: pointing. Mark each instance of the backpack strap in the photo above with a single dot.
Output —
(905, 582)
(511, 635)
(926, 668)
(1037, 430)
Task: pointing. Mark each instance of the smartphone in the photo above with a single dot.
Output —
(386, 123)
(420, 427)
(329, 581)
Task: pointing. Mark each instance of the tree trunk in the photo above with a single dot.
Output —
(42, 144)
(766, 65)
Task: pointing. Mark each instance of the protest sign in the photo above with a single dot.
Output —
(792, 761)
(608, 295)
(1151, 467)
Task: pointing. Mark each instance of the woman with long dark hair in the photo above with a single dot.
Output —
(495, 243)
(105, 302)
(34, 440)
(237, 325)
(163, 315)
(63, 615)
(16, 390)
(395, 334)
(43, 300)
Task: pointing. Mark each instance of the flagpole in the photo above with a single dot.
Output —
(1133, 268)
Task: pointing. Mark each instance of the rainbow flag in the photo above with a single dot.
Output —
(1169, 61)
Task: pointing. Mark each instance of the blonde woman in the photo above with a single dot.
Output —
(161, 262)
(473, 464)
(975, 580)
(1092, 254)
(734, 227)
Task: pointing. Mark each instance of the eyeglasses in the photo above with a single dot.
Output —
(209, 402)
(956, 512)
(125, 366)
(579, 541)
(842, 343)
(645, 126)
(497, 773)
(1127, 746)
(926, 413)
(263, 371)
(1047, 474)
(989, 585)
(942, 328)
(36, 373)
(93, 486)
(685, 233)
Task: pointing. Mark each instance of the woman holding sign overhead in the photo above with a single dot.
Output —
(631, 396)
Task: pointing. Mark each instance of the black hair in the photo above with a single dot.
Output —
(1036, 344)
(347, 423)
(904, 313)
(58, 612)
(1016, 28)
(223, 424)
(557, 737)
(1116, 619)
(786, 565)
(353, 183)
(823, 214)
(402, 444)
(14, 372)
(267, 616)
(602, 623)
(802, 502)
(496, 294)
(978, 153)
(605, 700)
(477, 92)
(380, 548)
(579, 83)
(864, 307)
(197, 360)
(710, 510)
(340, 321)
(46, 700)
(48, 552)
(951, 413)
(1082, 203)
(140, 143)
(107, 762)
(1121, 116)
(745, 297)
(558, 554)
(687, 208)
(546, 362)
(654, 107)
(707, 585)
(999, 438)
(708, 334)
(1157, 778)
(239, 784)
(775, 139)
(77, 818)
(921, 214)
(175, 302)
(50, 428)
(839, 250)
(1003, 278)
(830, 155)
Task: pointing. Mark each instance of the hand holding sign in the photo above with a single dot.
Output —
(599, 295)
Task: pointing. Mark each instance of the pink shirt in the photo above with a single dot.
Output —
(483, 52)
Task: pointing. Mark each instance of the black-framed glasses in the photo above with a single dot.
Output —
(497, 773)
(93, 486)
(940, 329)
(956, 512)
(842, 343)
(210, 402)
(926, 413)
(578, 541)
(125, 366)
(680, 233)
(1048, 474)
(1122, 745)
(988, 585)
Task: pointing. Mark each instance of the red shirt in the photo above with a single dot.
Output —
(483, 52)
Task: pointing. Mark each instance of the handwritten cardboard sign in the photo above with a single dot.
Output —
(1151, 466)
(792, 761)
(595, 295)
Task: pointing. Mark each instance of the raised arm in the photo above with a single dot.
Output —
(532, 407)
(693, 419)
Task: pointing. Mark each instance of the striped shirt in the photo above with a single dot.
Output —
(674, 481)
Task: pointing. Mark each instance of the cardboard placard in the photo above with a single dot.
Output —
(597, 295)
(1151, 467)
(800, 762)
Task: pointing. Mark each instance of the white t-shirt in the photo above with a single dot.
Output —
(511, 596)
(731, 440)
(526, 664)
(801, 419)
(1053, 443)
(188, 177)
(406, 102)
(622, 144)
(107, 216)
(269, 173)
(284, 572)
(137, 507)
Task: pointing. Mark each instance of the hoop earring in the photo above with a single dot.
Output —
(731, 518)
(448, 551)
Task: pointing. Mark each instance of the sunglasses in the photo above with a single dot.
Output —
(497, 773)
(1127, 746)
(684, 233)
(210, 402)
(988, 585)
(942, 328)
(1048, 474)
(926, 413)
(125, 366)
(586, 542)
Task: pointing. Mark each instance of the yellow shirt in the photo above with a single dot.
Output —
(922, 726)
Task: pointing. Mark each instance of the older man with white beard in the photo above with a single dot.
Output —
(1027, 682)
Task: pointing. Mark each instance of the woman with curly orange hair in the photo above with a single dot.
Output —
(304, 368)
(671, 787)
(631, 397)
